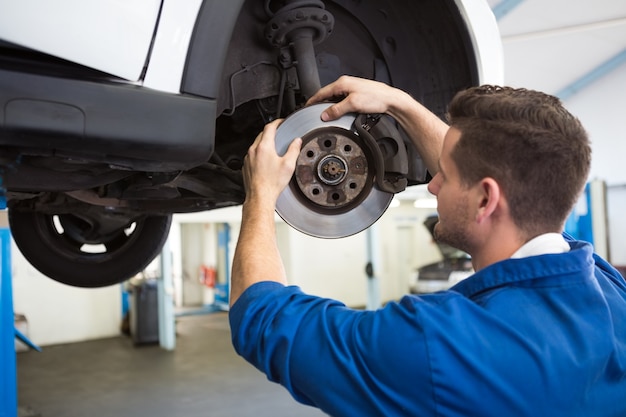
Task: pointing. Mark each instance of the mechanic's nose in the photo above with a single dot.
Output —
(434, 184)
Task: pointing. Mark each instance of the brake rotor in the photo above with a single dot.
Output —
(332, 193)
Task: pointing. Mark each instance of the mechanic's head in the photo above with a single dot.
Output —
(525, 140)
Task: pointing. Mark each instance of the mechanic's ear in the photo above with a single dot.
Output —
(489, 198)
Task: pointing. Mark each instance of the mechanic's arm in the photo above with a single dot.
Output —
(360, 95)
(265, 175)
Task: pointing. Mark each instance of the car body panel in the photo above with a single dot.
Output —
(112, 122)
(113, 36)
(171, 42)
(203, 71)
(485, 36)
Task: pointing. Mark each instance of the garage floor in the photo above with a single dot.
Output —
(111, 377)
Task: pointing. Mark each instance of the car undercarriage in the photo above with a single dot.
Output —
(93, 166)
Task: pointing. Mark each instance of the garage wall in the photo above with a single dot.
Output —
(335, 268)
(602, 109)
(57, 313)
(405, 245)
(198, 247)
(331, 268)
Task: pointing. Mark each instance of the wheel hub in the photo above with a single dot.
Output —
(332, 169)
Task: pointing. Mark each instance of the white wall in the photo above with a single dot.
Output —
(58, 313)
(602, 110)
(405, 245)
(335, 268)
(198, 247)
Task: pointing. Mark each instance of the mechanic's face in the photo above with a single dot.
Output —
(452, 198)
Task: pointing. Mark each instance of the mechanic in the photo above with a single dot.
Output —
(538, 330)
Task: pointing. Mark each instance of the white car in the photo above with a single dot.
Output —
(116, 114)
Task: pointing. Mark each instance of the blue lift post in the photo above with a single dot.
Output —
(8, 332)
(222, 291)
(8, 376)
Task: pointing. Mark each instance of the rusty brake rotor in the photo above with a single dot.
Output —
(332, 193)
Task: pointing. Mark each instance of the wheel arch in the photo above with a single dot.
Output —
(213, 30)
(469, 22)
(485, 39)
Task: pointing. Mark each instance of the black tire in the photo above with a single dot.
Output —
(55, 245)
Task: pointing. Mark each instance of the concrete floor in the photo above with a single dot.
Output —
(111, 377)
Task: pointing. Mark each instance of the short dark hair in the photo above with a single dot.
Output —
(530, 144)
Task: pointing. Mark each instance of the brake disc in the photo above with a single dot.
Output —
(332, 192)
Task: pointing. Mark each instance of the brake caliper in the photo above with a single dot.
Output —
(384, 141)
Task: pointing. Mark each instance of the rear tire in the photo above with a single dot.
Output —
(70, 250)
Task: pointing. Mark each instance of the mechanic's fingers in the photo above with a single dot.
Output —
(334, 91)
(341, 91)
(268, 136)
(293, 151)
(254, 145)
(336, 110)
(268, 133)
(323, 94)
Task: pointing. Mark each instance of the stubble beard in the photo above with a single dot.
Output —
(453, 230)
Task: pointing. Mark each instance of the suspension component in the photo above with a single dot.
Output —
(299, 25)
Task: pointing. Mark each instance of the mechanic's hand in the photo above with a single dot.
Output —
(265, 173)
(358, 95)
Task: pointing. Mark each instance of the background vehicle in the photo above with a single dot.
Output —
(115, 116)
(454, 266)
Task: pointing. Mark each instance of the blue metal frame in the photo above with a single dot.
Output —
(504, 7)
(222, 291)
(579, 224)
(8, 376)
(592, 76)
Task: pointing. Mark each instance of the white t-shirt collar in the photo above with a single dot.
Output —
(547, 243)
